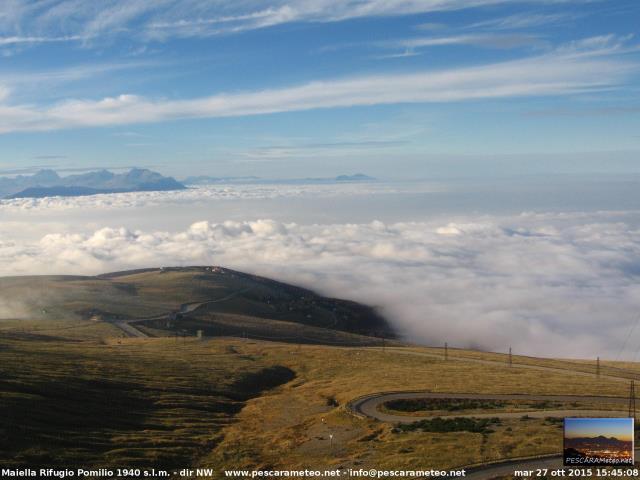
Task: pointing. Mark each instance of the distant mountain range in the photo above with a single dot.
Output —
(47, 183)
(601, 439)
(357, 177)
(600, 442)
(206, 180)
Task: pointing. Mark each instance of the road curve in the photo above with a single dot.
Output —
(193, 306)
(130, 330)
(369, 405)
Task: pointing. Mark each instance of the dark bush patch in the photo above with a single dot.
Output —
(332, 402)
(372, 436)
(458, 424)
(450, 405)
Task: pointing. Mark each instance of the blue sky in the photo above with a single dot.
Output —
(286, 88)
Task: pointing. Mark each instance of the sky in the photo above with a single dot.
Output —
(620, 428)
(503, 136)
(286, 88)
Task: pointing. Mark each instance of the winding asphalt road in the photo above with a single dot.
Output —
(369, 406)
(130, 330)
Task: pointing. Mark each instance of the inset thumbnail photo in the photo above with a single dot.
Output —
(598, 441)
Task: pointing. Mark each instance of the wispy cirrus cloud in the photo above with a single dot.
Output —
(18, 40)
(482, 40)
(162, 19)
(608, 44)
(68, 73)
(527, 20)
(573, 71)
(29, 83)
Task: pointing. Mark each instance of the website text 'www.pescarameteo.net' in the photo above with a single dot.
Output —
(345, 473)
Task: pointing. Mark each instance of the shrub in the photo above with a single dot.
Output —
(458, 424)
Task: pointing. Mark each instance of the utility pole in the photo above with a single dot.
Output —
(446, 351)
(510, 358)
(632, 400)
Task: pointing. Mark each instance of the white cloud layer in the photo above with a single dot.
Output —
(554, 284)
(206, 194)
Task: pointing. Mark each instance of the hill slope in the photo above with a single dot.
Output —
(169, 301)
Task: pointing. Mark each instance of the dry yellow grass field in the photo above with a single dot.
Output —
(166, 409)
(233, 403)
(290, 426)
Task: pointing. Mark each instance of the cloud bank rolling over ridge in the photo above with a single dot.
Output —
(554, 284)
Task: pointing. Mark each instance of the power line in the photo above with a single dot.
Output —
(635, 355)
(626, 340)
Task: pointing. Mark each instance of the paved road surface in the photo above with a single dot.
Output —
(369, 405)
(193, 306)
(128, 326)
(130, 330)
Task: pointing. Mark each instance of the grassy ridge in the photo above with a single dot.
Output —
(237, 303)
(158, 404)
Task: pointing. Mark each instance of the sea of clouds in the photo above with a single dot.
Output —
(208, 193)
(542, 283)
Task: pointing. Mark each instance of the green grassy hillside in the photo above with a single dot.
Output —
(233, 303)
